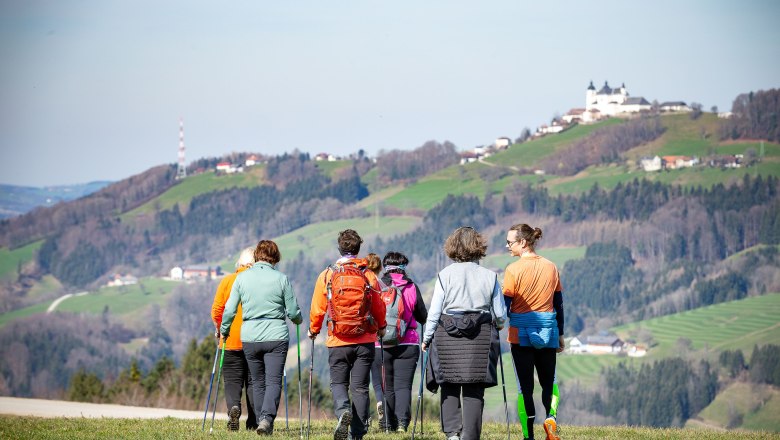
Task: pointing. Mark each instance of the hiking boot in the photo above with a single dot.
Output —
(551, 428)
(233, 417)
(454, 437)
(265, 427)
(342, 428)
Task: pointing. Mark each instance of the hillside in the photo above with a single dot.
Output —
(642, 253)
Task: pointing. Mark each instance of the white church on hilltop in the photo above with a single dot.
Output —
(611, 102)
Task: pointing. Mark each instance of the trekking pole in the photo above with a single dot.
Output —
(503, 387)
(384, 386)
(286, 417)
(216, 395)
(422, 375)
(311, 369)
(211, 384)
(300, 383)
(419, 396)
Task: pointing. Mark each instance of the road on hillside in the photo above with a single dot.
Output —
(58, 408)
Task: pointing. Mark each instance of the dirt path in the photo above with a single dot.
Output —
(58, 408)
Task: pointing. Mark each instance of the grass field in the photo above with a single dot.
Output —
(757, 406)
(123, 301)
(330, 168)
(10, 259)
(183, 192)
(726, 326)
(32, 428)
(528, 154)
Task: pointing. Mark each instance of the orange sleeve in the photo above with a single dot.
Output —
(220, 298)
(319, 304)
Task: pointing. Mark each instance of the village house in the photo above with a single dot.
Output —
(250, 161)
(122, 280)
(676, 162)
(599, 344)
(651, 163)
(196, 272)
(674, 106)
(503, 142)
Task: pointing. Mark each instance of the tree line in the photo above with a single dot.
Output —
(665, 393)
(754, 115)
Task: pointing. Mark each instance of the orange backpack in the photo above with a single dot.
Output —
(349, 301)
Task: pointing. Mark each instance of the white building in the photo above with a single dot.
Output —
(503, 142)
(612, 102)
(177, 273)
(608, 344)
(674, 106)
(651, 163)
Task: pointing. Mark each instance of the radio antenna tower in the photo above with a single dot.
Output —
(181, 171)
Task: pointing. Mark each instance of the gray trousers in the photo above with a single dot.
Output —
(469, 423)
(266, 364)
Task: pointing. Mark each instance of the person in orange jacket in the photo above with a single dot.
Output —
(349, 357)
(235, 369)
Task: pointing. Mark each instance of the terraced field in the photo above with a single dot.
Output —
(727, 326)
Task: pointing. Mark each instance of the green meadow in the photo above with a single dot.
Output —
(528, 154)
(35, 428)
(726, 326)
(184, 191)
(10, 260)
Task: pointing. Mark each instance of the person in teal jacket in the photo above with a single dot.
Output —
(267, 299)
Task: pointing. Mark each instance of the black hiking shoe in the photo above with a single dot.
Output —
(342, 428)
(234, 415)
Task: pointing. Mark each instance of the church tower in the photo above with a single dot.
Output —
(590, 96)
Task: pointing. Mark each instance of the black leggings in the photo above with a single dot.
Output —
(400, 366)
(526, 359)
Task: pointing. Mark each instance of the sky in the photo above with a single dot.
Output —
(94, 90)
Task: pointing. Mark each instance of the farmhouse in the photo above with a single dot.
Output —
(122, 280)
(601, 344)
(196, 272)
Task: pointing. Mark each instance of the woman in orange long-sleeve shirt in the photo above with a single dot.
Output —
(235, 369)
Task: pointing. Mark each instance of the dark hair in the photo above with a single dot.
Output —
(527, 233)
(374, 264)
(394, 258)
(268, 252)
(349, 242)
(465, 244)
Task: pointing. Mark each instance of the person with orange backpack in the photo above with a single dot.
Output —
(349, 294)
(405, 309)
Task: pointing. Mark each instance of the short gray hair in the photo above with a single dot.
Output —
(246, 258)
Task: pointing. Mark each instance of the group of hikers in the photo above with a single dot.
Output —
(377, 325)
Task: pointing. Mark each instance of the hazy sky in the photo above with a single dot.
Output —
(93, 90)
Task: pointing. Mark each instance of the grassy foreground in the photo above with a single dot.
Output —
(169, 428)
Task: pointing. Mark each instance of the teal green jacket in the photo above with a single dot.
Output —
(266, 298)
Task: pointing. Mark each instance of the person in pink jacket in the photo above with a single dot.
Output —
(401, 358)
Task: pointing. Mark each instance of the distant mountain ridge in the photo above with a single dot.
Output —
(18, 200)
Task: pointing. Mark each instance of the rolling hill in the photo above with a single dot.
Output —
(156, 237)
